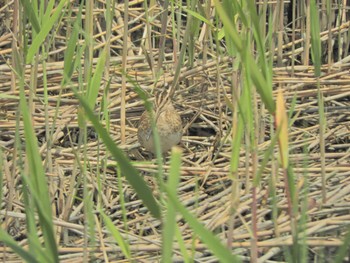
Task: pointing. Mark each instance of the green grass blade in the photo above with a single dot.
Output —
(267, 156)
(170, 217)
(48, 10)
(149, 107)
(69, 59)
(214, 244)
(38, 184)
(198, 16)
(95, 82)
(315, 38)
(32, 16)
(239, 9)
(7, 240)
(47, 26)
(259, 39)
(32, 201)
(116, 235)
(180, 240)
(257, 77)
(130, 173)
(231, 47)
(343, 250)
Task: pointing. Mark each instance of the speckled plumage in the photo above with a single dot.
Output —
(168, 123)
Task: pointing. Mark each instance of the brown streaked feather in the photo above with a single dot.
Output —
(168, 123)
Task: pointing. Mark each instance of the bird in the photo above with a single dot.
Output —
(168, 123)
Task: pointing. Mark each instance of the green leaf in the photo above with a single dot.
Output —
(198, 16)
(32, 16)
(170, 217)
(257, 77)
(267, 156)
(48, 10)
(47, 26)
(343, 250)
(214, 244)
(116, 235)
(95, 82)
(37, 180)
(315, 38)
(8, 241)
(129, 171)
(69, 59)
